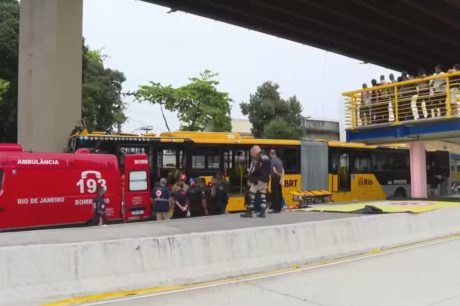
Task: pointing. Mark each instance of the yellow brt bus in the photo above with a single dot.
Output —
(348, 171)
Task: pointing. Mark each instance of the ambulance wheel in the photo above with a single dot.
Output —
(400, 193)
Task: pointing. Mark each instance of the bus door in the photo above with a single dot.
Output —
(136, 190)
(236, 163)
(339, 164)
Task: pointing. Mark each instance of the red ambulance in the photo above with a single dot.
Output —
(48, 189)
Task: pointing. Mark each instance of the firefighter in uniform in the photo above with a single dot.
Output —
(160, 200)
(259, 174)
(99, 207)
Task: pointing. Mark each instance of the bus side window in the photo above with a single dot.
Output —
(378, 161)
(198, 161)
(168, 159)
(214, 161)
(344, 172)
(362, 162)
(206, 157)
(334, 162)
(397, 161)
(133, 150)
(291, 160)
(228, 161)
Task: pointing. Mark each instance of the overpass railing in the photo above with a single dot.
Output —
(430, 98)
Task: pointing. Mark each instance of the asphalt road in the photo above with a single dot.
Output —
(426, 275)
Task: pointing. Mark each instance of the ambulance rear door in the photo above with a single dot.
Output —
(136, 187)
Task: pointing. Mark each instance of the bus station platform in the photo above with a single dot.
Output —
(74, 265)
(384, 207)
(160, 228)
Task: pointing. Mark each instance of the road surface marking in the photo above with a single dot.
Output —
(130, 295)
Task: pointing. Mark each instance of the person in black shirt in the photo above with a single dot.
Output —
(197, 200)
(99, 207)
(180, 202)
(219, 197)
(259, 175)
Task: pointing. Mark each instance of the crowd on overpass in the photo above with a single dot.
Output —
(408, 97)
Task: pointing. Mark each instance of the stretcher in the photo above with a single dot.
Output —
(303, 199)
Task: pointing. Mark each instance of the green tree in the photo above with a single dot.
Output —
(280, 128)
(9, 50)
(103, 107)
(102, 104)
(267, 111)
(199, 104)
(3, 88)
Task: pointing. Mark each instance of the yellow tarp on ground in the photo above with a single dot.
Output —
(384, 206)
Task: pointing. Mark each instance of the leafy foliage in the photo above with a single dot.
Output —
(103, 107)
(199, 105)
(3, 87)
(9, 52)
(280, 128)
(271, 116)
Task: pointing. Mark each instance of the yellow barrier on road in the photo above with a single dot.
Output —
(384, 207)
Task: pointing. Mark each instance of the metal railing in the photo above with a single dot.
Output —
(432, 97)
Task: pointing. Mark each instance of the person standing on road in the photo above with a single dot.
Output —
(259, 174)
(219, 196)
(197, 199)
(276, 175)
(99, 207)
(180, 202)
(180, 182)
(160, 199)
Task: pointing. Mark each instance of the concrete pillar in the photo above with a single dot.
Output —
(418, 183)
(50, 72)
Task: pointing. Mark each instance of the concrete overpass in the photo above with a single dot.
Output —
(400, 34)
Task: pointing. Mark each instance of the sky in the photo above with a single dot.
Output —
(149, 44)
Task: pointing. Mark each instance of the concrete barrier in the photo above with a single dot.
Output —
(41, 271)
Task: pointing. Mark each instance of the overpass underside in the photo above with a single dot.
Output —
(399, 34)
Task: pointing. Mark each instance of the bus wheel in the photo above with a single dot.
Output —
(400, 193)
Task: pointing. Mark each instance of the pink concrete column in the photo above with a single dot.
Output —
(418, 183)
